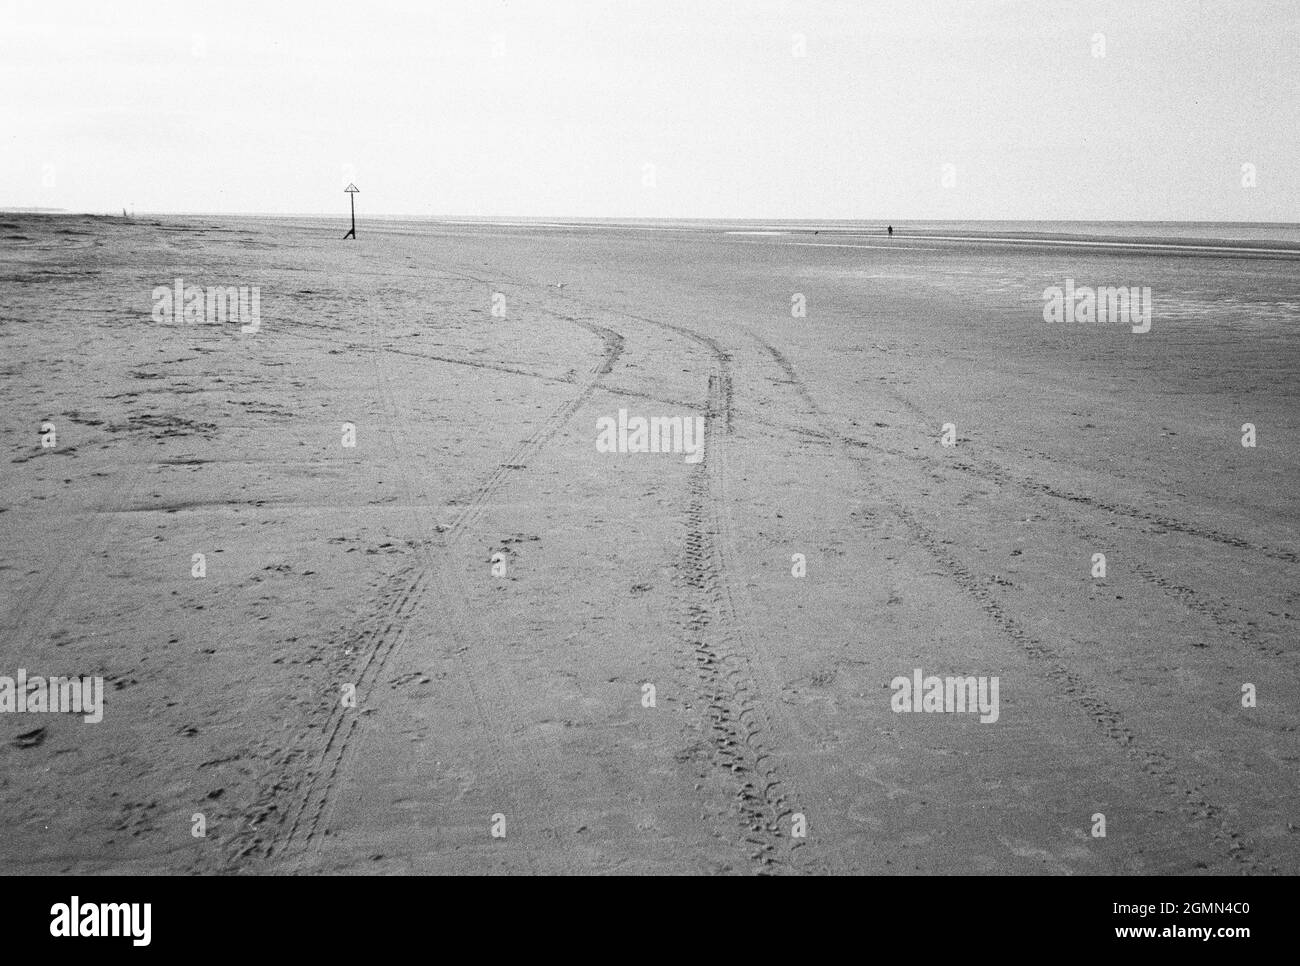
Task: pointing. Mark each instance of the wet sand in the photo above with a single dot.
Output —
(499, 593)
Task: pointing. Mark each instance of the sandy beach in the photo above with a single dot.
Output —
(566, 660)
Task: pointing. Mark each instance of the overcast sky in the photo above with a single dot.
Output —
(699, 108)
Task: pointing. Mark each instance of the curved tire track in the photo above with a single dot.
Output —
(383, 632)
(1145, 753)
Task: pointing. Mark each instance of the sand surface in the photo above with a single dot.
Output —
(516, 698)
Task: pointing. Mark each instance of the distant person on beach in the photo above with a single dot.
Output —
(891, 231)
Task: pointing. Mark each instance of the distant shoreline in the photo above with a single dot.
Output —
(1191, 237)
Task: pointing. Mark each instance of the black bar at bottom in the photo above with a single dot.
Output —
(338, 915)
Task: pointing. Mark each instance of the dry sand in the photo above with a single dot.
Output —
(520, 695)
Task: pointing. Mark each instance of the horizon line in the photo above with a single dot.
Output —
(38, 210)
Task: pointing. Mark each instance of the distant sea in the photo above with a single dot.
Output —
(1217, 230)
(1232, 232)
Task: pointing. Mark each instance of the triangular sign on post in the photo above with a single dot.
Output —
(352, 192)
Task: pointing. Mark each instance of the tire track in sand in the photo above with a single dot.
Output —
(1144, 752)
(991, 472)
(383, 631)
(715, 638)
(1217, 612)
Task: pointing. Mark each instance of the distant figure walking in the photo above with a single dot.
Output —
(891, 231)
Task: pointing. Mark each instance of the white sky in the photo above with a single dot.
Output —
(555, 108)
